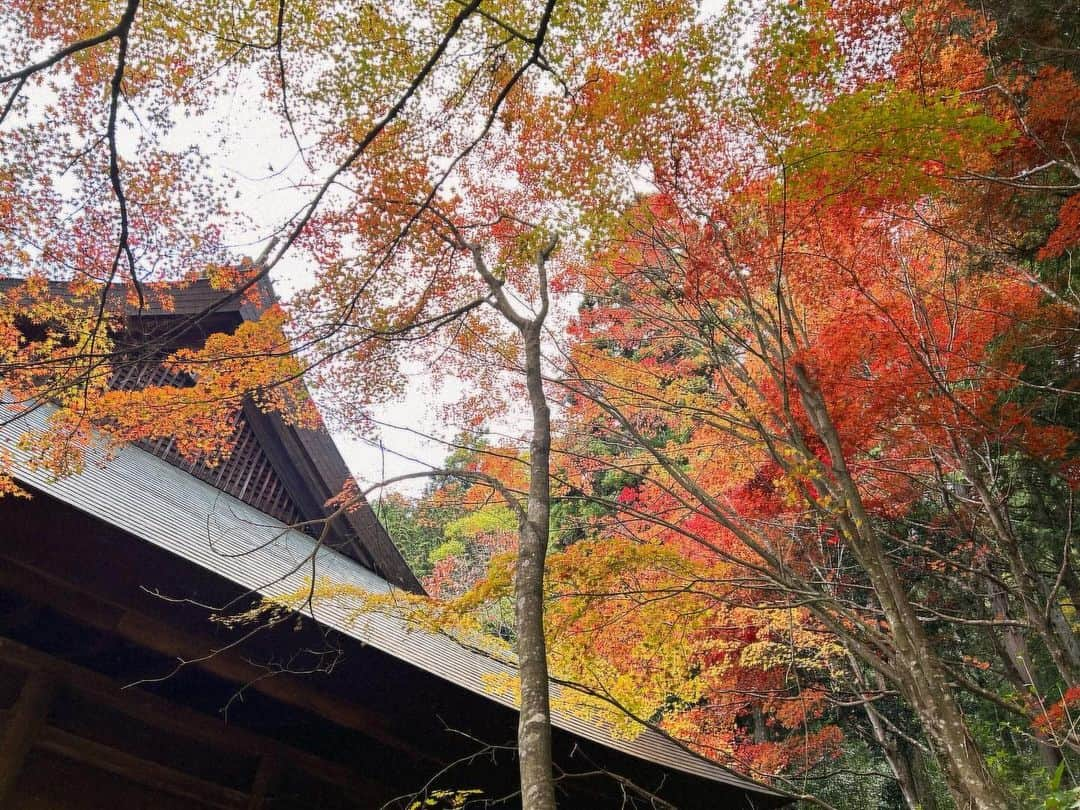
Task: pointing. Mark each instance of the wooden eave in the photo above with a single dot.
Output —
(161, 506)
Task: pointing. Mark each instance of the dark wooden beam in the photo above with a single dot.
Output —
(167, 716)
(266, 778)
(95, 611)
(19, 616)
(141, 771)
(310, 466)
(22, 728)
(293, 470)
(289, 689)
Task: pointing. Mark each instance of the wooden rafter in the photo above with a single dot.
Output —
(25, 727)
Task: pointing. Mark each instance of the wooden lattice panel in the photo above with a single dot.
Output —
(245, 473)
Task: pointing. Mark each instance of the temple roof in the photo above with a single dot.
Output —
(162, 504)
(233, 519)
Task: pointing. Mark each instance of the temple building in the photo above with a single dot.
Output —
(118, 689)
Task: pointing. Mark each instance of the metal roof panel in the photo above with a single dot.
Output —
(147, 497)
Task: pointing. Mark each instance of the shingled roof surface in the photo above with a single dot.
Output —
(181, 298)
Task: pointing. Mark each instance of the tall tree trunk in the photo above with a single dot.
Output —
(920, 674)
(922, 682)
(534, 718)
(1012, 647)
(1042, 610)
(534, 723)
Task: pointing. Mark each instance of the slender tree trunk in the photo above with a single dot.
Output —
(1013, 649)
(760, 733)
(920, 775)
(1071, 584)
(1041, 609)
(889, 744)
(534, 718)
(534, 723)
(908, 765)
(904, 778)
(904, 759)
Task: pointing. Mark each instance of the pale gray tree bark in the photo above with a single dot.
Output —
(534, 723)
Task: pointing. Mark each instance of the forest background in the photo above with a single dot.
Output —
(796, 278)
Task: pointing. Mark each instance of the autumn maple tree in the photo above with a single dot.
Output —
(440, 166)
(812, 348)
(821, 419)
(797, 279)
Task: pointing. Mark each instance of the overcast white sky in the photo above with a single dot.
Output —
(266, 171)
